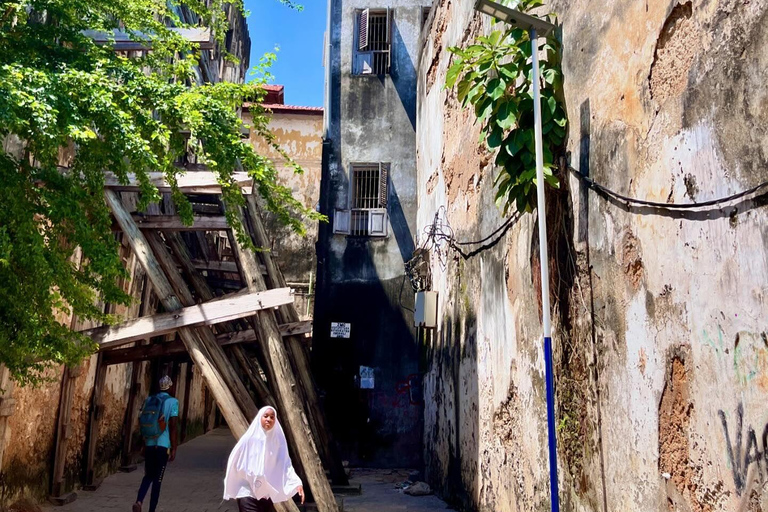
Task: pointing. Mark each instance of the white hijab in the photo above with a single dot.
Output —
(259, 465)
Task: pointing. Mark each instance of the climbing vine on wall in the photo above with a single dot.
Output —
(494, 76)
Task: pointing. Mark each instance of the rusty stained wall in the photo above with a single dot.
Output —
(660, 317)
(300, 135)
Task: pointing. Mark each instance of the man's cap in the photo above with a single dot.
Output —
(165, 383)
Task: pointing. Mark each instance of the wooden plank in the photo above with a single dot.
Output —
(146, 352)
(179, 249)
(209, 313)
(218, 266)
(189, 183)
(185, 409)
(283, 380)
(174, 223)
(124, 41)
(97, 411)
(250, 370)
(200, 352)
(63, 431)
(6, 397)
(208, 340)
(298, 352)
(296, 328)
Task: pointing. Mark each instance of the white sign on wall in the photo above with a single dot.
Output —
(366, 377)
(340, 330)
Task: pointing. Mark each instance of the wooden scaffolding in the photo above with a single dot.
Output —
(227, 310)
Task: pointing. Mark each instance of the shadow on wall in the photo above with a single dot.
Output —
(453, 389)
(380, 427)
(403, 74)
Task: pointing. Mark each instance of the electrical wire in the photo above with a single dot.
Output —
(439, 236)
(669, 206)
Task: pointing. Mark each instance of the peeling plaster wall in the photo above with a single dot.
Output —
(361, 281)
(660, 318)
(300, 135)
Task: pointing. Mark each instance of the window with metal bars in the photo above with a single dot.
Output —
(367, 215)
(373, 48)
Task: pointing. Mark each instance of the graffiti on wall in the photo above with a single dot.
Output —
(741, 454)
(407, 394)
(747, 357)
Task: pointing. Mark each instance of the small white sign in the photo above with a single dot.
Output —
(340, 330)
(366, 377)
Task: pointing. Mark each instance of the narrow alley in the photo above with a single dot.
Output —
(193, 483)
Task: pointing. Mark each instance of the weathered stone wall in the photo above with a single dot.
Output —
(660, 315)
(371, 119)
(299, 132)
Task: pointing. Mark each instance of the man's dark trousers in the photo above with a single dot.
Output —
(155, 460)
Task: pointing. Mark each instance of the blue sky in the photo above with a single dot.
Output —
(299, 35)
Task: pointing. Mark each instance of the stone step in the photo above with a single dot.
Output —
(347, 490)
(312, 507)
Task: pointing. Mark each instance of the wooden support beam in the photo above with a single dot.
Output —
(250, 370)
(284, 382)
(179, 250)
(208, 313)
(185, 410)
(166, 262)
(123, 41)
(174, 223)
(155, 350)
(208, 339)
(97, 412)
(189, 183)
(218, 266)
(220, 385)
(131, 411)
(63, 429)
(298, 352)
(7, 406)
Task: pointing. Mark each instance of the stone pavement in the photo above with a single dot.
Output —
(194, 483)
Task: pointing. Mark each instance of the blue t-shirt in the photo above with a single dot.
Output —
(170, 410)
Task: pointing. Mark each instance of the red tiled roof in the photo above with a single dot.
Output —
(281, 108)
(292, 108)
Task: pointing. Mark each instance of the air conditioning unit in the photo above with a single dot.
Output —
(425, 314)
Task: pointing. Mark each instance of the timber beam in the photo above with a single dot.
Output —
(147, 352)
(208, 313)
(201, 182)
(174, 223)
(209, 358)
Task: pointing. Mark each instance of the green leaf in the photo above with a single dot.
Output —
(483, 109)
(453, 73)
(496, 88)
(463, 90)
(494, 37)
(514, 143)
(495, 138)
(506, 117)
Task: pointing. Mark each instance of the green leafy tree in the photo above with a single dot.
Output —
(71, 109)
(495, 76)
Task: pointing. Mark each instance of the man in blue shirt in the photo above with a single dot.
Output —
(159, 451)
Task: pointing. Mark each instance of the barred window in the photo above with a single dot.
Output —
(373, 49)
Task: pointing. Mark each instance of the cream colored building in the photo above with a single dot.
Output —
(298, 131)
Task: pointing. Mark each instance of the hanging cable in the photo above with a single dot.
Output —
(669, 206)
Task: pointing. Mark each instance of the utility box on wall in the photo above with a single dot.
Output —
(426, 310)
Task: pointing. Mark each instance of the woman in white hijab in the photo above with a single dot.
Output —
(259, 470)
